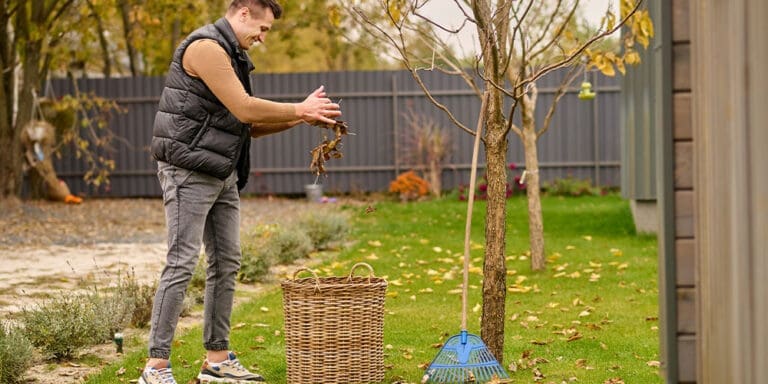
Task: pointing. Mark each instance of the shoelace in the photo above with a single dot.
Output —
(236, 365)
(165, 375)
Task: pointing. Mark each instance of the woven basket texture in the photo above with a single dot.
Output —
(334, 328)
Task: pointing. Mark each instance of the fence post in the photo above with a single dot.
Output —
(596, 133)
(395, 126)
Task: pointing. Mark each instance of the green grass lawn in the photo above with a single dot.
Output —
(591, 317)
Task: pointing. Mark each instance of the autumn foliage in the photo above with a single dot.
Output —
(409, 186)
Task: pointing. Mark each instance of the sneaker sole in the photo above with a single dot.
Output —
(205, 379)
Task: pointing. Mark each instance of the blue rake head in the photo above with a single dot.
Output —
(464, 359)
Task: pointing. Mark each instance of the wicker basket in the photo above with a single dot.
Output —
(334, 328)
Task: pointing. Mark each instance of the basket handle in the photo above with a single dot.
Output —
(352, 271)
(314, 274)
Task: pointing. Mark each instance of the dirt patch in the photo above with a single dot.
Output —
(48, 247)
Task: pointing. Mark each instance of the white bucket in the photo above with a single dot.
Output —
(314, 192)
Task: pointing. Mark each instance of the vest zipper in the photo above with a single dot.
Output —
(200, 134)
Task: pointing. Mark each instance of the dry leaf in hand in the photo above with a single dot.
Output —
(328, 149)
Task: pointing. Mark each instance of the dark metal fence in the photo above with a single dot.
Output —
(583, 141)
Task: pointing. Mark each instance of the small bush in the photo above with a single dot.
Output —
(15, 355)
(144, 299)
(409, 186)
(324, 228)
(290, 243)
(62, 326)
(569, 186)
(115, 306)
(255, 262)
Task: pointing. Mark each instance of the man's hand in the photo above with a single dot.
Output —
(317, 107)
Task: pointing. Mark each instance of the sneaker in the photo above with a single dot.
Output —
(228, 371)
(157, 376)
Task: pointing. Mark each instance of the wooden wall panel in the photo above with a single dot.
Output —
(681, 115)
(681, 67)
(686, 262)
(684, 214)
(684, 165)
(686, 355)
(686, 310)
(681, 31)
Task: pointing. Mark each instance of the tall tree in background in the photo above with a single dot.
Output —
(31, 31)
(519, 42)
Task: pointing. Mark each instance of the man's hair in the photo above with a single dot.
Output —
(257, 6)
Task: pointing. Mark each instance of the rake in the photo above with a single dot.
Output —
(464, 358)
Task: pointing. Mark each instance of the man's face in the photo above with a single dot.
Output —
(253, 27)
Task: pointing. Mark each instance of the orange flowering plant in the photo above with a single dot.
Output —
(409, 186)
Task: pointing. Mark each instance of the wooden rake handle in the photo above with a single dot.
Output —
(470, 203)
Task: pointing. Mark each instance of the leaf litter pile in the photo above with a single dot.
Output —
(328, 148)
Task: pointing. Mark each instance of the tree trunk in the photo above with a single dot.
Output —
(125, 13)
(533, 190)
(10, 161)
(494, 268)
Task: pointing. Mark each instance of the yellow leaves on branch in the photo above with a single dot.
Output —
(639, 29)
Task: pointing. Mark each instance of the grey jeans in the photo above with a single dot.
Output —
(198, 207)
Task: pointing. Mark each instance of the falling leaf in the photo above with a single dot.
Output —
(238, 326)
(396, 283)
(374, 243)
(616, 252)
(259, 339)
(120, 371)
(477, 308)
(587, 238)
(570, 247)
(372, 256)
(437, 249)
(424, 241)
(426, 290)
(585, 313)
(264, 309)
(654, 363)
(615, 380)
(437, 345)
(540, 342)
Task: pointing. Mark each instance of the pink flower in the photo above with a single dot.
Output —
(512, 166)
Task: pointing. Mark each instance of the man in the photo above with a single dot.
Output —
(201, 140)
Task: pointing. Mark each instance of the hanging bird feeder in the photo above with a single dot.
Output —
(586, 92)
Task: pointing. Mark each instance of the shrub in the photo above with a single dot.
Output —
(409, 186)
(144, 297)
(15, 355)
(258, 254)
(324, 228)
(427, 146)
(114, 307)
(569, 186)
(289, 243)
(62, 326)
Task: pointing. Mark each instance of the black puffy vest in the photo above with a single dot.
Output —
(193, 129)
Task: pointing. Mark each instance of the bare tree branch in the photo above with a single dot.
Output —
(549, 68)
(561, 91)
(557, 34)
